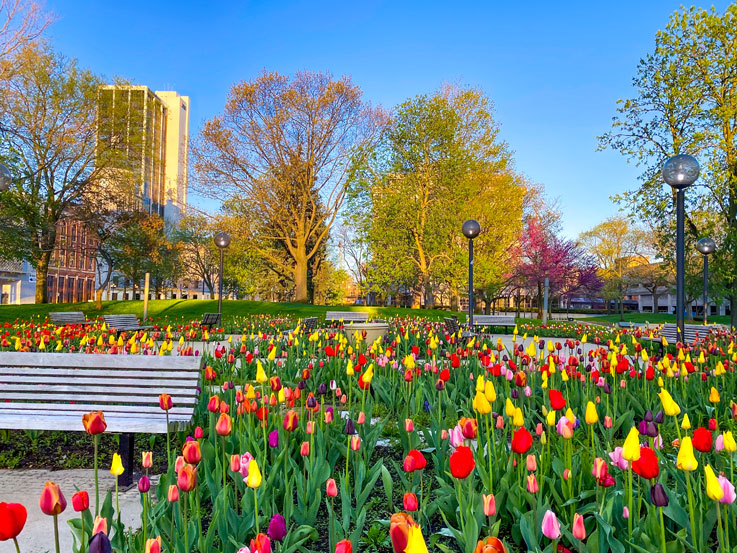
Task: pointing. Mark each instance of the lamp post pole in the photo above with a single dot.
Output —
(706, 246)
(680, 172)
(222, 241)
(471, 230)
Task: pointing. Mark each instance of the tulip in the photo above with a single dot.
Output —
(469, 428)
(153, 545)
(531, 463)
(462, 462)
(591, 417)
(714, 395)
(198, 433)
(254, 475)
(658, 497)
(52, 501)
(729, 442)
(187, 478)
(521, 441)
(191, 452)
(631, 448)
(355, 443)
(579, 529)
(179, 463)
(291, 421)
(409, 425)
(331, 489)
(702, 440)
(173, 495)
(399, 527)
(262, 544)
(80, 501)
(410, 502)
(165, 402)
(670, 407)
(224, 426)
(100, 543)
(99, 526)
(343, 546)
(550, 525)
(144, 484)
(490, 545)
(532, 485)
(12, 520)
(147, 459)
(304, 450)
(713, 487)
(274, 439)
(728, 489)
(277, 527)
(116, 468)
(647, 465)
(686, 460)
(94, 422)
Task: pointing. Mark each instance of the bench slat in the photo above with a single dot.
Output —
(62, 397)
(65, 423)
(53, 387)
(159, 383)
(99, 361)
(173, 374)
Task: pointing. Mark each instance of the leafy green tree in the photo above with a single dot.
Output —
(686, 102)
(440, 162)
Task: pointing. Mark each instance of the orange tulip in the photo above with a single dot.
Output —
(94, 422)
(187, 478)
(99, 525)
(235, 463)
(165, 402)
(399, 531)
(490, 545)
(191, 452)
(224, 426)
(153, 545)
(52, 501)
(173, 495)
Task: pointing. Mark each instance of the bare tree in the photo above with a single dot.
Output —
(282, 147)
(21, 22)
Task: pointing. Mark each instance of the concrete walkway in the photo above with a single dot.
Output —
(25, 486)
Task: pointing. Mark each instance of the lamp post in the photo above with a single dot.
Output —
(680, 172)
(222, 241)
(705, 246)
(6, 178)
(471, 230)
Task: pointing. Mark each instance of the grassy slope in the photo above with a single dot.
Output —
(188, 310)
(653, 318)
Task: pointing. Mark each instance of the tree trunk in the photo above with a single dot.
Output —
(454, 300)
(732, 310)
(540, 300)
(655, 303)
(517, 304)
(42, 273)
(429, 296)
(300, 279)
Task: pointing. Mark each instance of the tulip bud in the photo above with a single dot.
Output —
(99, 526)
(235, 463)
(52, 501)
(409, 425)
(144, 484)
(410, 502)
(350, 427)
(489, 505)
(531, 463)
(277, 527)
(100, 543)
(331, 489)
(173, 495)
(224, 425)
(198, 433)
(305, 449)
(355, 443)
(658, 497)
(147, 459)
(579, 529)
(361, 418)
(153, 545)
(81, 501)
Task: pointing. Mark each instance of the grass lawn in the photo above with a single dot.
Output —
(188, 310)
(653, 318)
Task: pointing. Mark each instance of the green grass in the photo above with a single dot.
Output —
(188, 310)
(652, 318)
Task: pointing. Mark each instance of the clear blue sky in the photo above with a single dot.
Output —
(553, 69)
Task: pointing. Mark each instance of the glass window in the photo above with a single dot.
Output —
(70, 260)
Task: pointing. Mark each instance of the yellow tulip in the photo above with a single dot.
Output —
(644, 355)
(550, 419)
(592, 417)
(729, 444)
(686, 422)
(686, 460)
(254, 475)
(490, 392)
(631, 448)
(481, 405)
(349, 368)
(116, 469)
(670, 407)
(415, 541)
(480, 383)
(713, 488)
(272, 354)
(518, 419)
(509, 408)
(260, 373)
(714, 395)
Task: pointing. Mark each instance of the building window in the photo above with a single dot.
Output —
(74, 233)
(71, 260)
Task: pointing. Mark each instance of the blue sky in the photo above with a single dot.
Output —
(553, 69)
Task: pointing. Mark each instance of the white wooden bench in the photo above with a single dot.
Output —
(452, 327)
(346, 316)
(505, 321)
(61, 318)
(124, 323)
(51, 391)
(690, 333)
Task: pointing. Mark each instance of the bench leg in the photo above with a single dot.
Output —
(126, 455)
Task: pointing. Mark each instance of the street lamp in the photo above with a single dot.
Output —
(6, 178)
(471, 230)
(705, 246)
(222, 241)
(680, 172)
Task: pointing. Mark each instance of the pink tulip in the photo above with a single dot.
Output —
(528, 391)
(532, 486)
(618, 460)
(531, 463)
(456, 436)
(551, 526)
(626, 512)
(719, 443)
(728, 488)
(579, 529)
(607, 421)
(361, 418)
(489, 505)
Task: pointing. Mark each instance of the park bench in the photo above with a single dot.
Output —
(452, 327)
(629, 324)
(491, 321)
(690, 333)
(51, 391)
(124, 323)
(346, 316)
(211, 320)
(61, 318)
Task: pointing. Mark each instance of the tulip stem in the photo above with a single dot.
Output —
(96, 440)
(630, 514)
(460, 507)
(662, 529)
(255, 508)
(144, 521)
(56, 532)
(83, 540)
(168, 446)
(690, 508)
(720, 533)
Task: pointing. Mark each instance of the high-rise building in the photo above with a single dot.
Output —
(145, 136)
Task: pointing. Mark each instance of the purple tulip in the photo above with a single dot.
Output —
(144, 484)
(274, 438)
(277, 527)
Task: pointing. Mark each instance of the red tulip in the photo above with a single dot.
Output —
(462, 462)
(224, 426)
(290, 421)
(647, 465)
(331, 489)
(399, 531)
(165, 402)
(12, 520)
(420, 462)
(557, 402)
(187, 478)
(521, 441)
(343, 546)
(81, 501)
(214, 404)
(410, 502)
(702, 440)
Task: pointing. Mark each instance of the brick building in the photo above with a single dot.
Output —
(72, 269)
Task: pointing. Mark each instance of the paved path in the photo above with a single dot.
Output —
(24, 486)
